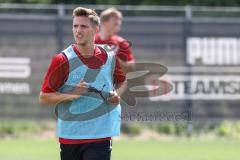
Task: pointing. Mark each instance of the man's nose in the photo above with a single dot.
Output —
(79, 30)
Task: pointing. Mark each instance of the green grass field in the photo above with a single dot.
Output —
(180, 149)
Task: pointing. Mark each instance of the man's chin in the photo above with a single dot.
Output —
(81, 43)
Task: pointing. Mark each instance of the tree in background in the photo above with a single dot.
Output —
(135, 2)
(193, 2)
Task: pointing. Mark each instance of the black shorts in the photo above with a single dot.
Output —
(87, 151)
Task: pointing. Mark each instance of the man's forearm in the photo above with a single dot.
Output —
(55, 97)
(121, 88)
(127, 66)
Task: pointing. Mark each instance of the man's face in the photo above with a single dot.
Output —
(83, 30)
(113, 25)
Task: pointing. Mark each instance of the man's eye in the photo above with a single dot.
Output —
(83, 26)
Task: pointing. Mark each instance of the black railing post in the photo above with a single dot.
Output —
(186, 35)
(59, 27)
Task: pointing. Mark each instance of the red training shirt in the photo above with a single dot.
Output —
(124, 51)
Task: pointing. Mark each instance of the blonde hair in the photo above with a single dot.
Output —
(108, 13)
(86, 12)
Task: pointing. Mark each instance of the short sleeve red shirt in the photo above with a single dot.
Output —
(124, 51)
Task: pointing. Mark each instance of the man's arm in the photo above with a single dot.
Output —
(57, 97)
(120, 84)
(126, 57)
(121, 88)
(55, 78)
(128, 66)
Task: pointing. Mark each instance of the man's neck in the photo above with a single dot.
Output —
(104, 35)
(86, 50)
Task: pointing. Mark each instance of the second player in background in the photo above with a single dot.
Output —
(111, 20)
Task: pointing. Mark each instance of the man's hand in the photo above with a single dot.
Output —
(81, 88)
(113, 98)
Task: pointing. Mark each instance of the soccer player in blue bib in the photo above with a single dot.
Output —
(85, 81)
